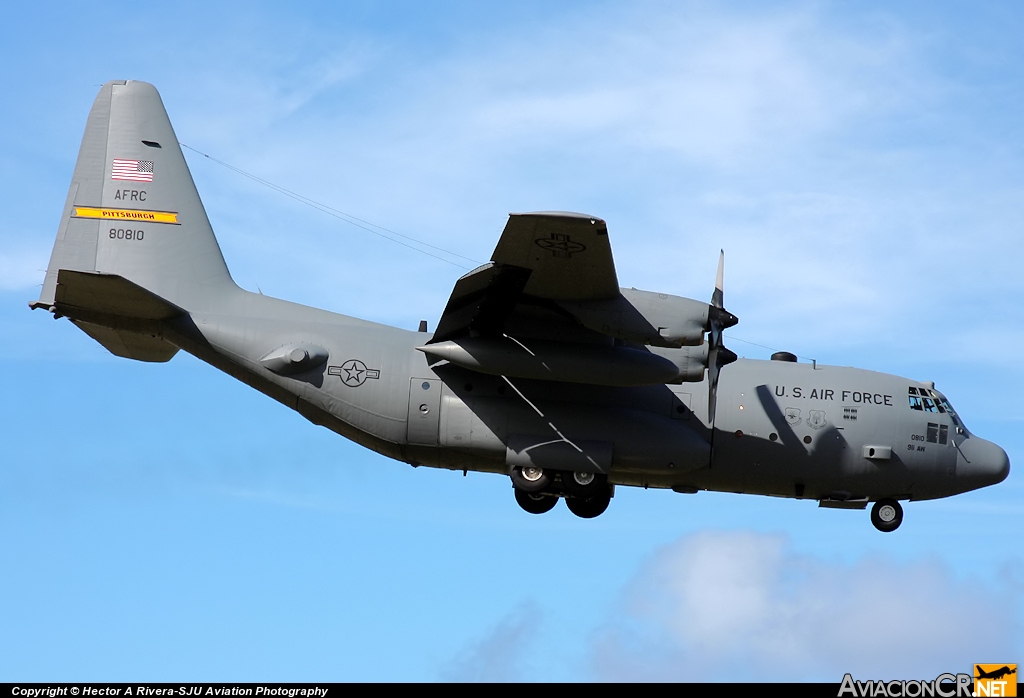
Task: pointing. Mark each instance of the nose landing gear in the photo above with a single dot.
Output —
(886, 515)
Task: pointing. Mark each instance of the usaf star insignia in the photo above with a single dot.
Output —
(353, 372)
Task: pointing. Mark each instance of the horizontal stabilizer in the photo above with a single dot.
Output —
(124, 317)
(130, 345)
(109, 294)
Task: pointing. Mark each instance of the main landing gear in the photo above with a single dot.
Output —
(537, 491)
(536, 503)
(887, 515)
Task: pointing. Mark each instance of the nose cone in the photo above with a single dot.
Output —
(981, 463)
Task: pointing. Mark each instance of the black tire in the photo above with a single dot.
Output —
(589, 508)
(593, 485)
(536, 503)
(530, 480)
(886, 515)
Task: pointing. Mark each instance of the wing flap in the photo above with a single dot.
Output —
(482, 301)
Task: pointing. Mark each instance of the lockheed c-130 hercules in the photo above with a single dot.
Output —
(541, 367)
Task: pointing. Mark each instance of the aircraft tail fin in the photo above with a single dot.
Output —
(133, 210)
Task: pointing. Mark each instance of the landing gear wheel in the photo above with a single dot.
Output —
(530, 479)
(589, 508)
(584, 485)
(536, 503)
(886, 515)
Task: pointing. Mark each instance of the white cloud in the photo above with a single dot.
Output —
(498, 656)
(744, 606)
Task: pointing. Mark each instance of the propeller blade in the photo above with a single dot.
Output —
(712, 386)
(717, 298)
(718, 320)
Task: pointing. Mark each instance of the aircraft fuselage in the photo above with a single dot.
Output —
(786, 429)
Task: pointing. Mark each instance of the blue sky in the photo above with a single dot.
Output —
(861, 164)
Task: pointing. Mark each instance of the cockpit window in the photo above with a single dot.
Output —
(948, 409)
(936, 398)
(927, 400)
(924, 400)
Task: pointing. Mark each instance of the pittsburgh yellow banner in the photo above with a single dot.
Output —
(124, 214)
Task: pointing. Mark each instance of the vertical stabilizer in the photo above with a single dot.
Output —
(133, 209)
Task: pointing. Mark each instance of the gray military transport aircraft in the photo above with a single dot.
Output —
(541, 367)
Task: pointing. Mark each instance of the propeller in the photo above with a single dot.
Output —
(718, 320)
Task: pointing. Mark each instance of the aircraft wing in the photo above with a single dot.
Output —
(541, 259)
(548, 306)
(568, 255)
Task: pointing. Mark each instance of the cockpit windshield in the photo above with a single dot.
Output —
(928, 400)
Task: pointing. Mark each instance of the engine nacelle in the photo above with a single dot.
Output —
(691, 361)
(557, 361)
(645, 317)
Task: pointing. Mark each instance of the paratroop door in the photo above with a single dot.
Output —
(424, 411)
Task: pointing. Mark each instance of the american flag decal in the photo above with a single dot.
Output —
(132, 170)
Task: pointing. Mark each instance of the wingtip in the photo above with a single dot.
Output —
(559, 214)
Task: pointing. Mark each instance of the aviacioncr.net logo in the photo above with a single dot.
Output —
(995, 680)
(942, 686)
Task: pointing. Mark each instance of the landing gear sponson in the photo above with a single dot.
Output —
(537, 491)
